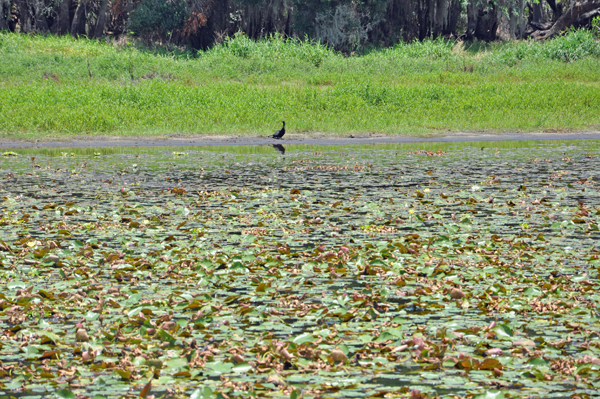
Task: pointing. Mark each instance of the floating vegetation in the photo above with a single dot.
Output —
(343, 272)
(437, 153)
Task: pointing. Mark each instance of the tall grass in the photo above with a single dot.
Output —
(56, 86)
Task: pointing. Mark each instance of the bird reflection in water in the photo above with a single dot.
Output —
(279, 148)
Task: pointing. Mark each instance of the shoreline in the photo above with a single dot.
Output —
(292, 139)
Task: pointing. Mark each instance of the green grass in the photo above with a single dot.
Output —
(244, 87)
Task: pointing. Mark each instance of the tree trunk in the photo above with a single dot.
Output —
(439, 17)
(482, 20)
(471, 19)
(101, 19)
(453, 16)
(538, 17)
(64, 19)
(516, 21)
(487, 23)
(567, 19)
(78, 24)
(24, 16)
(4, 14)
(422, 15)
(556, 8)
(41, 25)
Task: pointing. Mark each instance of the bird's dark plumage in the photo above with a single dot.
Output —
(279, 148)
(279, 134)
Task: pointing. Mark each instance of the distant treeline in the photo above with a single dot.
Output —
(347, 25)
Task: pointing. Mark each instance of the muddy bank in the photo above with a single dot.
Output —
(83, 142)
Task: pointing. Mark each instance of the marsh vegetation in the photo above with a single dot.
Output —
(60, 86)
(333, 272)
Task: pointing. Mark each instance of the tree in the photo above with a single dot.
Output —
(99, 31)
(568, 18)
(158, 18)
(5, 12)
(63, 17)
(343, 24)
(41, 24)
(80, 18)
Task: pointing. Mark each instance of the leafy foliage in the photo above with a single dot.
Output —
(341, 24)
(596, 25)
(575, 45)
(161, 17)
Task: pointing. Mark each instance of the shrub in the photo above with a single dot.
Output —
(574, 45)
(596, 25)
(430, 48)
(240, 45)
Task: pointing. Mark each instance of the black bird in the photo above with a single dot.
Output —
(279, 148)
(279, 134)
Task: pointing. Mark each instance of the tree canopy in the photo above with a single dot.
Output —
(346, 25)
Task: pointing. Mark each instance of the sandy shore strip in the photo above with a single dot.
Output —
(292, 139)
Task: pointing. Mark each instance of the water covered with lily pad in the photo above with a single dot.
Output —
(451, 270)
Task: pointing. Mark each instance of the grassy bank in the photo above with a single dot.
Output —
(51, 87)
